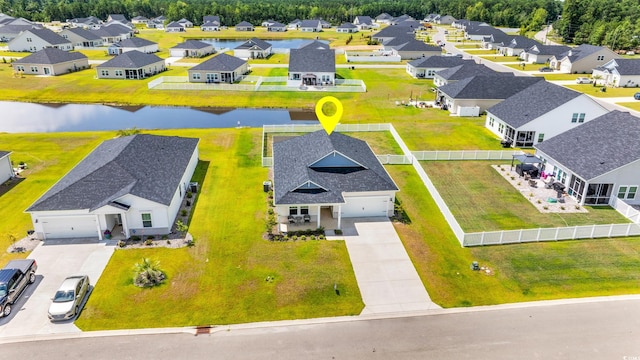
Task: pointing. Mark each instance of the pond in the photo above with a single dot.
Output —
(20, 117)
(276, 43)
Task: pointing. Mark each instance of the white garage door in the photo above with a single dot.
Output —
(72, 227)
(365, 206)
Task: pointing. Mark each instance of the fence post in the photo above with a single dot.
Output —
(556, 236)
(538, 236)
(482, 238)
(593, 230)
(575, 231)
(628, 229)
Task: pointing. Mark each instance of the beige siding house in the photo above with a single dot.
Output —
(582, 59)
(131, 65)
(51, 61)
(221, 68)
(37, 39)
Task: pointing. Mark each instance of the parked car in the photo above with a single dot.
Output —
(636, 96)
(68, 299)
(583, 80)
(14, 279)
(545, 69)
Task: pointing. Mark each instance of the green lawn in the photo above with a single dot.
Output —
(97, 54)
(527, 67)
(589, 89)
(500, 58)
(631, 105)
(481, 200)
(556, 76)
(477, 51)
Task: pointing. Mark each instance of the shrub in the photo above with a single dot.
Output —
(181, 227)
(150, 237)
(135, 238)
(148, 242)
(577, 207)
(189, 195)
(148, 273)
(188, 203)
(562, 207)
(338, 232)
(191, 242)
(313, 237)
(539, 202)
(165, 237)
(121, 243)
(513, 178)
(183, 212)
(545, 207)
(322, 237)
(303, 237)
(168, 242)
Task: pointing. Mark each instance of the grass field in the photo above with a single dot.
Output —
(500, 58)
(589, 89)
(527, 67)
(554, 76)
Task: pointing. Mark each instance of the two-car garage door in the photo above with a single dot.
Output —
(365, 206)
(70, 227)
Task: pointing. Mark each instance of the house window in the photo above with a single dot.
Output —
(195, 76)
(540, 137)
(104, 72)
(326, 78)
(34, 69)
(296, 76)
(598, 194)
(431, 73)
(19, 68)
(146, 220)
(293, 210)
(627, 192)
(600, 57)
(65, 36)
(118, 72)
(501, 128)
(577, 118)
(491, 121)
(29, 40)
(304, 210)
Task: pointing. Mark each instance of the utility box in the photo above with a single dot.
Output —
(193, 187)
(266, 186)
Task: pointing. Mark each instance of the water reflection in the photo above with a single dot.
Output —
(30, 117)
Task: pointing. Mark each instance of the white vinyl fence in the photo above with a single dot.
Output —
(626, 210)
(448, 155)
(254, 83)
(371, 56)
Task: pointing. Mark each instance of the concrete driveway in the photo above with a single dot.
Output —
(386, 277)
(56, 260)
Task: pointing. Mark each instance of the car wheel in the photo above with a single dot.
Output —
(7, 310)
(32, 278)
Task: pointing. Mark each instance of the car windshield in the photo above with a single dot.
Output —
(3, 290)
(63, 296)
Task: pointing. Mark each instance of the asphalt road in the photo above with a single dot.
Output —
(583, 330)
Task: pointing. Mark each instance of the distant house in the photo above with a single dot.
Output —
(253, 49)
(133, 44)
(294, 25)
(90, 22)
(325, 24)
(192, 48)
(335, 176)
(401, 18)
(81, 38)
(426, 68)
(411, 49)
(478, 33)
(221, 68)
(595, 160)
(131, 65)
(496, 40)
(185, 23)
(210, 26)
(540, 54)
(445, 20)
(37, 39)
(347, 28)
(140, 20)
(51, 61)
(463, 71)
(314, 44)
(117, 17)
(392, 32)
(157, 23)
(539, 113)
(474, 95)
(113, 33)
(9, 32)
(310, 26)
(364, 22)
(276, 27)
(582, 59)
(384, 18)
(213, 19)
(6, 169)
(310, 66)
(174, 27)
(517, 45)
(132, 185)
(245, 26)
(618, 73)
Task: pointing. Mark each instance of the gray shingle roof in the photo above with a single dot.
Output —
(417, 45)
(131, 60)
(554, 50)
(581, 51)
(347, 26)
(192, 44)
(394, 31)
(212, 19)
(276, 24)
(309, 23)
(4, 153)
(312, 60)
(111, 30)
(210, 24)
(467, 70)
(174, 24)
(147, 166)
(532, 102)
(220, 62)
(628, 66)
(135, 42)
(522, 42)
(314, 44)
(85, 34)
(292, 157)
(488, 87)
(49, 36)
(16, 29)
(50, 56)
(364, 20)
(384, 16)
(438, 61)
(254, 42)
(596, 147)
(244, 24)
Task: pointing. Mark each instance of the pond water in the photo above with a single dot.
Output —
(20, 117)
(276, 43)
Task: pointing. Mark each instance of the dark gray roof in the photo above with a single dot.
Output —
(276, 24)
(210, 24)
(140, 18)
(244, 24)
(211, 18)
(220, 62)
(312, 60)
(50, 56)
(112, 30)
(598, 146)
(147, 166)
(394, 31)
(49, 36)
(4, 153)
(192, 44)
(310, 23)
(85, 34)
(254, 42)
(347, 26)
(488, 87)
(174, 24)
(532, 102)
(292, 158)
(131, 60)
(384, 16)
(522, 42)
(581, 52)
(467, 70)
(16, 29)
(118, 17)
(364, 20)
(135, 42)
(628, 66)
(412, 24)
(438, 61)
(417, 45)
(483, 30)
(553, 50)
(314, 44)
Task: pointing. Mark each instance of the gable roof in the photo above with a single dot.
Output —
(627, 66)
(220, 62)
(118, 17)
(291, 168)
(522, 42)
(581, 51)
(131, 60)
(174, 24)
(554, 50)
(147, 166)
(532, 102)
(254, 42)
(4, 153)
(347, 26)
(597, 146)
(134, 42)
(191, 44)
(49, 36)
(211, 18)
(50, 56)
(210, 24)
(312, 60)
(112, 30)
(417, 45)
(384, 16)
(276, 24)
(244, 24)
(364, 20)
(184, 21)
(438, 61)
(83, 33)
(314, 44)
(467, 70)
(310, 23)
(488, 86)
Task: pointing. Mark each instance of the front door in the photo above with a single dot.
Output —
(46, 71)
(118, 219)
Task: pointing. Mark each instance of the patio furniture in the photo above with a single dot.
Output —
(533, 183)
(298, 219)
(291, 219)
(549, 183)
(307, 218)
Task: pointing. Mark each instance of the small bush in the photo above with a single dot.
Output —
(183, 212)
(135, 238)
(539, 202)
(313, 237)
(148, 242)
(294, 237)
(338, 232)
(168, 242)
(188, 203)
(545, 207)
(148, 273)
(189, 195)
(577, 207)
(513, 178)
(150, 237)
(181, 227)
(121, 243)
(165, 237)
(322, 237)
(562, 207)
(303, 237)
(191, 242)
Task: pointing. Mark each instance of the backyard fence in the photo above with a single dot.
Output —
(255, 83)
(368, 56)
(626, 210)
(466, 155)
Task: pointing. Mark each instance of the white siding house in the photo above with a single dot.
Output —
(6, 169)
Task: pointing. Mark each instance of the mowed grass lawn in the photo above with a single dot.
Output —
(524, 272)
(222, 279)
(481, 200)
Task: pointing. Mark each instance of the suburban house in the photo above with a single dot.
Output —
(325, 24)
(294, 25)
(409, 49)
(595, 160)
(401, 18)
(347, 28)
(81, 38)
(213, 20)
(118, 17)
(582, 59)
(517, 45)
(478, 33)
(412, 24)
(364, 22)
(311, 66)
(384, 18)
(185, 23)
(464, 71)
(474, 95)
(276, 27)
(541, 54)
(140, 20)
(539, 113)
(618, 73)
(445, 20)
(496, 40)
(9, 32)
(310, 26)
(245, 26)
(210, 26)
(131, 65)
(174, 27)
(191, 48)
(33, 40)
(426, 68)
(113, 33)
(133, 44)
(391, 32)
(6, 169)
(131, 185)
(51, 61)
(253, 49)
(314, 44)
(221, 68)
(157, 23)
(90, 22)
(319, 176)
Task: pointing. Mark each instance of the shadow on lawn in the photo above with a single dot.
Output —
(10, 184)
(198, 176)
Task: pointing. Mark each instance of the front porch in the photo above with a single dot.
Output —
(327, 221)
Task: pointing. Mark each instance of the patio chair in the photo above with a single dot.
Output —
(533, 183)
(291, 219)
(307, 218)
(549, 183)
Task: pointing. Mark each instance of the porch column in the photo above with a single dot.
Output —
(339, 216)
(125, 226)
(99, 230)
(319, 215)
